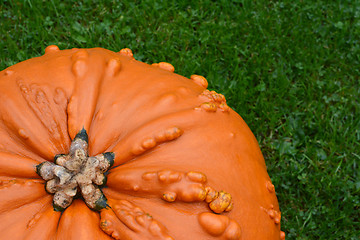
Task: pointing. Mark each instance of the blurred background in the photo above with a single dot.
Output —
(289, 68)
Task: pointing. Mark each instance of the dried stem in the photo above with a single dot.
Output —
(76, 173)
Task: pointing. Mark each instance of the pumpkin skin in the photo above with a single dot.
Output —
(173, 140)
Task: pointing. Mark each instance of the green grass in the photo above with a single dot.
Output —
(289, 68)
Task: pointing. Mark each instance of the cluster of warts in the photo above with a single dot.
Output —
(76, 173)
(11, 182)
(124, 220)
(148, 143)
(273, 214)
(215, 101)
(218, 201)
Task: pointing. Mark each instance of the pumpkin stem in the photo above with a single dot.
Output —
(76, 173)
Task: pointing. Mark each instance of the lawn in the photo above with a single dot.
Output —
(289, 68)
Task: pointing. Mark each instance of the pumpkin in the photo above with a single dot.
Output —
(97, 145)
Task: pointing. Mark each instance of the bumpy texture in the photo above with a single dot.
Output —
(186, 165)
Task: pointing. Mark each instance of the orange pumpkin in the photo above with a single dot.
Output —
(97, 145)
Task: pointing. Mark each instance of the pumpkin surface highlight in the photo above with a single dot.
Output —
(97, 145)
